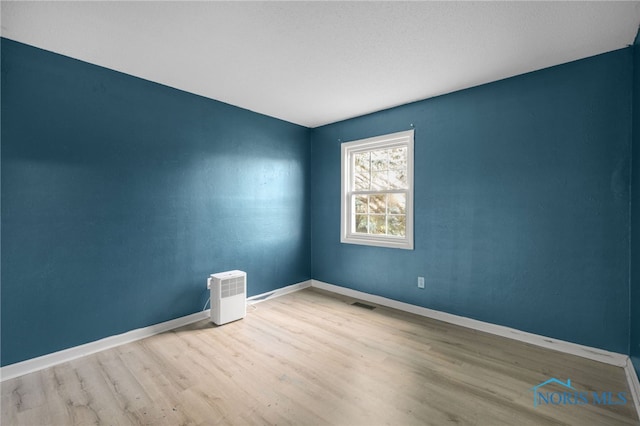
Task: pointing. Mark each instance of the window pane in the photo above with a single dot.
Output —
(361, 223)
(362, 181)
(397, 225)
(398, 158)
(397, 179)
(397, 203)
(362, 162)
(380, 180)
(377, 224)
(378, 204)
(361, 203)
(379, 159)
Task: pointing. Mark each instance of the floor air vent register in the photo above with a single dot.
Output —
(363, 305)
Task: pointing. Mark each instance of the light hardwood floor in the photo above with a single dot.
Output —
(311, 357)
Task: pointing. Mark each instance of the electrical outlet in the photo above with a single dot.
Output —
(420, 282)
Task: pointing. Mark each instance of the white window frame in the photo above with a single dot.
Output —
(349, 149)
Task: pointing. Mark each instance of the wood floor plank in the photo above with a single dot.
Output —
(311, 357)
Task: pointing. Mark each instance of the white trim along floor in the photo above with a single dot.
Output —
(620, 360)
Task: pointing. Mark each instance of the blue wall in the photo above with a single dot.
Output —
(521, 203)
(634, 341)
(120, 196)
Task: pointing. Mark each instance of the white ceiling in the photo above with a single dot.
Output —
(314, 63)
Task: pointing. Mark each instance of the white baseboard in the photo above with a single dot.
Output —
(34, 364)
(613, 358)
(634, 384)
(277, 293)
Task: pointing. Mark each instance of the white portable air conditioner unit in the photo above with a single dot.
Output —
(228, 296)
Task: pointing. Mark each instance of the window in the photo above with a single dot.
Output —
(377, 191)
